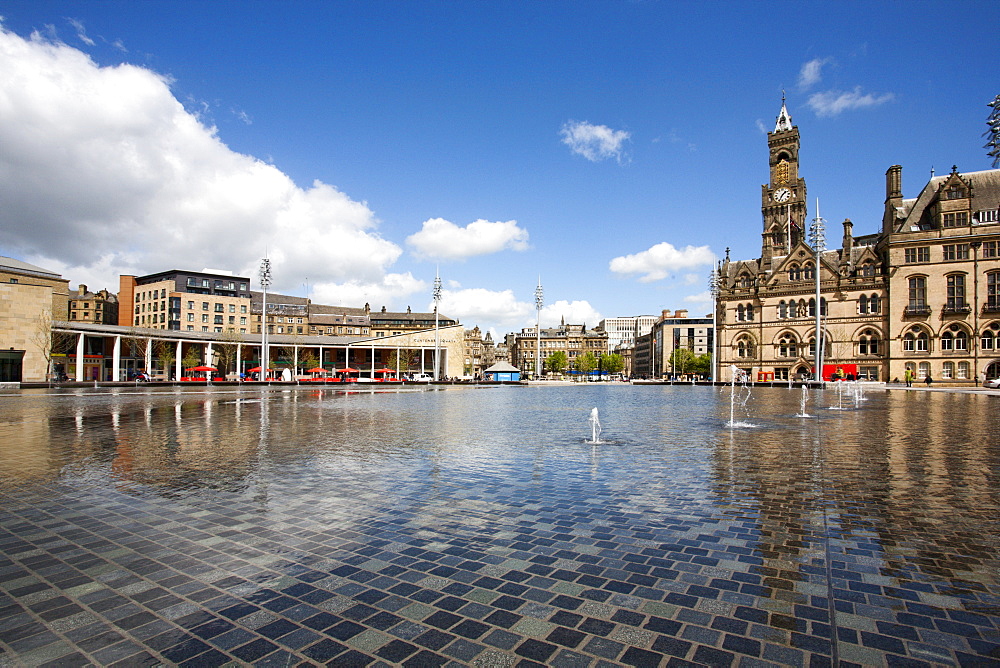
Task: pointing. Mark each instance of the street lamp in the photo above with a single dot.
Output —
(713, 288)
(265, 280)
(817, 236)
(539, 301)
(437, 331)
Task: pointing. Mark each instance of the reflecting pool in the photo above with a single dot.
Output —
(479, 526)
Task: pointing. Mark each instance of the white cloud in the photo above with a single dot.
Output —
(108, 158)
(444, 240)
(81, 32)
(812, 72)
(578, 312)
(702, 298)
(833, 102)
(659, 261)
(484, 307)
(391, 289)
(594, 142)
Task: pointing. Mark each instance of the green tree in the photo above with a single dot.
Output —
(557, 362)
(308, 360)
(612, 363)
(682, 361)
(586, 362)
(225, 348)
(165, 352)
(192, 358)
(703, 365)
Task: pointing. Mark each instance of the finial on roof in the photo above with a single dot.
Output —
(784, 118)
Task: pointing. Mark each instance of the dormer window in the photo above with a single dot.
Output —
(956, 219)
(955, 192)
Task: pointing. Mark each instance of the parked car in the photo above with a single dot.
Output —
(993, 383)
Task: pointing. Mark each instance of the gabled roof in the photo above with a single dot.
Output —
(502, 367)
(22, 267)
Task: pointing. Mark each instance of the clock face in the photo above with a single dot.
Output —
(782, 194)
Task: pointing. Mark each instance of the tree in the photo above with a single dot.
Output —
(612, 363)
(137, 343)
(308, 360)
(48, 342)
(682, 361)
(192, 358)
(557, 362)
(586, 362)
(404, 359)
(166, 353)
(226, 347)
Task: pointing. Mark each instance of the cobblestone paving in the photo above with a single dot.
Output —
(770, 557)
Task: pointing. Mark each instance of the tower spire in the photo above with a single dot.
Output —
(784, 121)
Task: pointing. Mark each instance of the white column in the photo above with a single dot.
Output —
(177, 360)
(295, 361)
(208, 354)
(149, 357)
(372, 372)
(239, 359)
(116, 359)
(79, 357)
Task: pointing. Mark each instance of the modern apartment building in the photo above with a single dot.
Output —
(206, 301)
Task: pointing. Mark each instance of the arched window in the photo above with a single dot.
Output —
(923, 370)
(868, 269)
(986, 341)
(795, 273)
(863, 304)
(993, 291)
(963, 370)
(739, 313)
(915, 341)
(822, 305)
(961, 339)
(782, 310)
(874, 304)
(787, 346)
(808, 271)
(947, 341)
(948, 370)
(745, 281)
(793, 309)
(917, 286)
(956, 292)
(868, 342)
(749, 312)
(812, 307)
(745, 347)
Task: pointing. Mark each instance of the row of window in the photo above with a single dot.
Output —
(949, 252)
(219, 284)
(916, 340)
(955, 299)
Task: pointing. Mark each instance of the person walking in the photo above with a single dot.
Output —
(928, 380)
(908, 377)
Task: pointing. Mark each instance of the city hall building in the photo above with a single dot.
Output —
(921, 294)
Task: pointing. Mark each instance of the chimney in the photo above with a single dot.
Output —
(83, 289)
(848, 241)
(665, 314)
(681, 313)
(894, 182)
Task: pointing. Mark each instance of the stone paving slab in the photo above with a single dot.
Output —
(776, 564)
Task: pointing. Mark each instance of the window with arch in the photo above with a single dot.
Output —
(868, 269)
(917, 288)
(795, 273)
(990, 338)
(948, 370)
(956, 292)
(963, 370)
(749, 312)
(915, 341)
(808, 271)
(745, 347)
(787, 346)
(955, 338)
(993, 291)
(782, 310)
(793, 309)
(868, 343)
(739, 313)
(745, 281)
(869, 304)
(923, 370)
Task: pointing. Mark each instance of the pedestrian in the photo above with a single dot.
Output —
(928, 379)
(908, 377)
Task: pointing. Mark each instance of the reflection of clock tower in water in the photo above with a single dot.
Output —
(783, 200)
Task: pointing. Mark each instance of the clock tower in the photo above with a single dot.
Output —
(783, 199)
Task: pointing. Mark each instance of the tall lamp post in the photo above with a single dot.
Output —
(713, 288)
(265, 281)
(817, 236)
(437, 330)
(539, 302)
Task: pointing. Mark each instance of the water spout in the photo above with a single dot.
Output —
(595, 427)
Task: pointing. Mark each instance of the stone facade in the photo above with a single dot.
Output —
(919, 294)
(32, 299)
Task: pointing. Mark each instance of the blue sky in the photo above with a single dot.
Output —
(611, 148)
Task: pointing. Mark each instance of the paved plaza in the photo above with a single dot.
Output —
(125, 548)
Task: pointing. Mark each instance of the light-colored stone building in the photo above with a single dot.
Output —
(671, 331)
(922, 293)
(574, 340)
(97, 307)
(31, 300)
